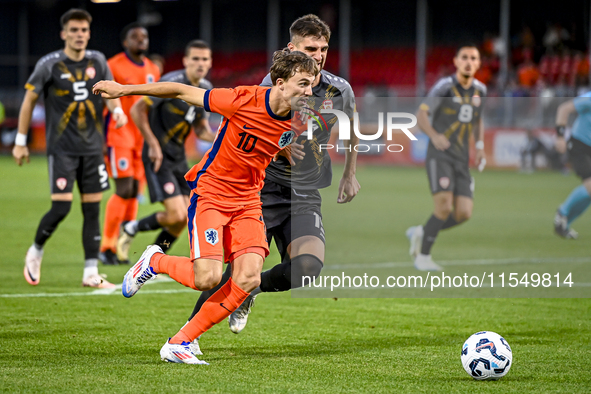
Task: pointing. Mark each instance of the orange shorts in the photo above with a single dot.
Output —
(216, 231)
(125, 163)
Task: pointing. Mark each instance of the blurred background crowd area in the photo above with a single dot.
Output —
(531, 52)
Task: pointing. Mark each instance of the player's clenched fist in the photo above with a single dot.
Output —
(20, 154)
(108, 89)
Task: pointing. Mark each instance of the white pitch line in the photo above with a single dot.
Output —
(114, 291)
(98, 292)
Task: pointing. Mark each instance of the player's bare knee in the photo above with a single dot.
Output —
(248, 282)
(177, 218)
(124, 188)
(207, 281)
(463, 215)
(442, 211)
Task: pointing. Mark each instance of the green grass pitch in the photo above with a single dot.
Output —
(58, 337)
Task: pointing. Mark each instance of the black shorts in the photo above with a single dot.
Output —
(449, 176)
(579, 155)
(88, 171)
(169, 181)
(290, 214)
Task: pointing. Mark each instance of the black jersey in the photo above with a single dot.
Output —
(315, 171)
(171, 119)
(455, 113)
(73, 115)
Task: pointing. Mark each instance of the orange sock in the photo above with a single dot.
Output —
(178, 268)
(114, 213)
(219, 306)
(131, 211)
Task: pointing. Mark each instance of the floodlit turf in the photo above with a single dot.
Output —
(66, 340)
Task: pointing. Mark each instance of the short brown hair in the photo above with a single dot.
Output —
(466, 45)
(309, 26)
(76, 14)
(286, 64)
(200, 44)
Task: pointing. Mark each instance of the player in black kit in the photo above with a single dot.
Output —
(74, 126)
(455, 105)
(291, 198)
(165, 125)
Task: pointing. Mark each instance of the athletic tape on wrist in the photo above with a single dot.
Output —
(21, 139)
(118, 110)
(479, 144)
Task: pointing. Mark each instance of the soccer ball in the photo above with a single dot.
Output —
(486, 356)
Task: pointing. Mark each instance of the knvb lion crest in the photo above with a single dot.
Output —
(211, 236)
(286, 138)
(122, 164)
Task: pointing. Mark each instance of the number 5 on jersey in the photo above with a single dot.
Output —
(80, 90)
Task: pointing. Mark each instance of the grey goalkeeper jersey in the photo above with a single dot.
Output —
(315, 171)
(455, 113)
(73, 115)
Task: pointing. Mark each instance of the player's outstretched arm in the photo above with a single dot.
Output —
(20, 152)
(191, 94)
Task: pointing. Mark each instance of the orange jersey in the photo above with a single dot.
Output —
(233, 170)
(127, 72)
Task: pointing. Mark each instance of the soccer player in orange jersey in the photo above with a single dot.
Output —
(125, 144)
(165, 125)
(225, 216)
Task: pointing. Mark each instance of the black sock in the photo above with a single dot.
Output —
(277, 278)
(148, 223)
(58, 211)
(91, 231)
(450, 222)
(291, 273)
(431, 229)
(206, 294)
(165, 240)
(305, 268)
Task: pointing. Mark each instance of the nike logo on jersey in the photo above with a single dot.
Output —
(222, 305)
(248, 128)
